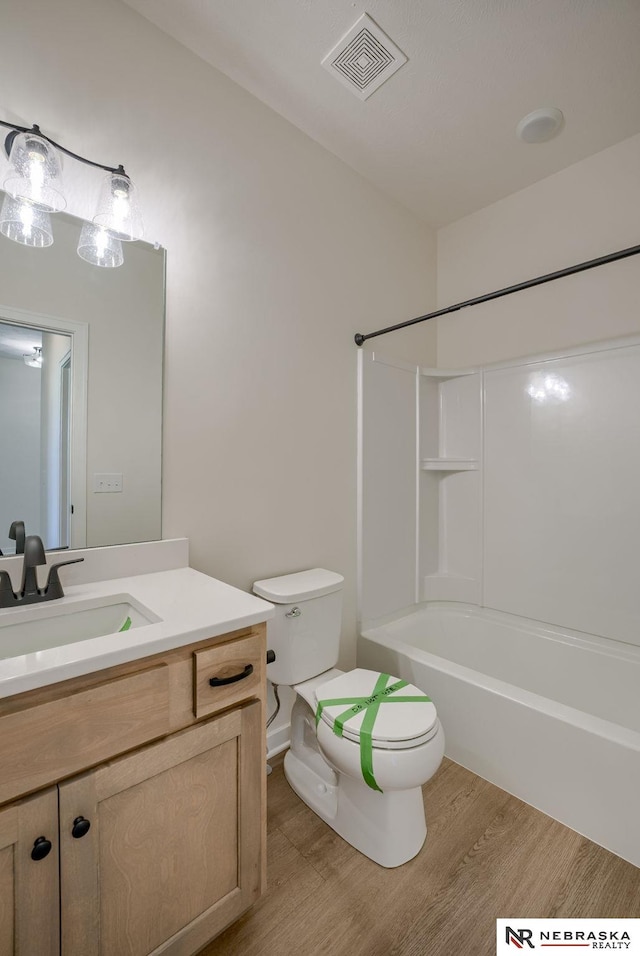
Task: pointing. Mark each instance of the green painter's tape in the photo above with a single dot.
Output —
(126, 625)
(370, 705)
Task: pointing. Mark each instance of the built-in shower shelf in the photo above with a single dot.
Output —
(449, 464)
(445, 586)
(445, 374)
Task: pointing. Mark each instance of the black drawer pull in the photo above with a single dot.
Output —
(219, 681)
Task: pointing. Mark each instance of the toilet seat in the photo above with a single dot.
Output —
(398, 725)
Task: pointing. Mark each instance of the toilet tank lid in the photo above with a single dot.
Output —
(301, 586)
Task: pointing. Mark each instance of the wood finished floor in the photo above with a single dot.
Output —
(487, 855)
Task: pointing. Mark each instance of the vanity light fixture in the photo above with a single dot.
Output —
(35, 360)
(34, 189)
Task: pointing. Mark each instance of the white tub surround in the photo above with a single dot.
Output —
(548, 715)
(513, 489)
(185, 607)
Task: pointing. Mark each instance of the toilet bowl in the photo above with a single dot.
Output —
(362, 743)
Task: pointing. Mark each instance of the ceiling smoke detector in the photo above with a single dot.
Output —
(364, 58)
(541, 125)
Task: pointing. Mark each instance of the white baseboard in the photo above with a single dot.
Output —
(278, 740)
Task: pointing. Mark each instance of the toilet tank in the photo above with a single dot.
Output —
(305, 630)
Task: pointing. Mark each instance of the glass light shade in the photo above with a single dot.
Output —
(119, 209)
(99, 247)
(36, 173)
(23, 222)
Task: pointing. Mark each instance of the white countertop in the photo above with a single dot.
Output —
(190, 606)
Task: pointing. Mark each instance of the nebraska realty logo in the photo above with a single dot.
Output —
(556, 935)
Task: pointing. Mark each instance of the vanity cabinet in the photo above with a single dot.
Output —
(170, 856)
(157, 847)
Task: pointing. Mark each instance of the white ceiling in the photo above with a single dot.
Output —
(439, 136)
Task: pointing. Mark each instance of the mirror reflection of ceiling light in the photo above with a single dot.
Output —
(34, 360)
(549, 388)
(34, 189)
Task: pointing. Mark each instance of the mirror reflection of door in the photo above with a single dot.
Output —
(35, 421)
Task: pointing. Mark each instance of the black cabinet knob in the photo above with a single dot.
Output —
(80, 827)
(41, 848)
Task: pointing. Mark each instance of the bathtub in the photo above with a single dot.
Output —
(550, 715)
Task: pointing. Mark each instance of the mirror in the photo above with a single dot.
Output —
(81, 432)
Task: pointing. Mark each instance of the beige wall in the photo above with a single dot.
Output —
(585, 211)
(277, 254)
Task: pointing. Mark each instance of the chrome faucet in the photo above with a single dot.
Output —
(30, 593)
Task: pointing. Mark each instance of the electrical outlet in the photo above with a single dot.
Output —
(107, 484)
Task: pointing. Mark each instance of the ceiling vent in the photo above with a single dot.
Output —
(364, 58)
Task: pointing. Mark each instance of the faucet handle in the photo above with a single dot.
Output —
(17, 534)
(53, 587)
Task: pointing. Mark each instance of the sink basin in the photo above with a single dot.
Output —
(42, 627)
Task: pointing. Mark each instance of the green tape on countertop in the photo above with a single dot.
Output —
(371, 705)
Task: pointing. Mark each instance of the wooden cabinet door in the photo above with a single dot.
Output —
(174, 849)
(29, 900)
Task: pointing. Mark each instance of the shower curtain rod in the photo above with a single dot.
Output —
(360, 339)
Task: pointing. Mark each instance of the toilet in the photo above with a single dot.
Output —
(362, 743)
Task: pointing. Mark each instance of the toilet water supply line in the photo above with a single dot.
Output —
(371, 706)
(277, 710)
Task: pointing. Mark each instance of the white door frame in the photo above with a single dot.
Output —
(79, 332)
(66, 404)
